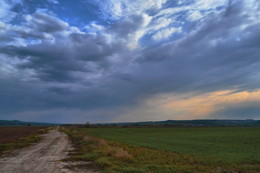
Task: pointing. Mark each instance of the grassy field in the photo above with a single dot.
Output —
(222, 144)
(14, 137)
(169, 149)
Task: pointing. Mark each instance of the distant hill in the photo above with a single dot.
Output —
(21, 123)
(192, 123)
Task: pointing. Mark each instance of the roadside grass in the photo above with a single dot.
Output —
(16, 137)
(126, 152)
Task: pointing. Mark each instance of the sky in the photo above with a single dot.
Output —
(70, 61)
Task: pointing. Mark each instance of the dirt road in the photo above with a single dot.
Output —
(43, 157)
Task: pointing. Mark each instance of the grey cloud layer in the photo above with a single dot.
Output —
(72, 69)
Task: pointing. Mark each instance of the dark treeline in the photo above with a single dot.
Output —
(21, 123)
(178, 123)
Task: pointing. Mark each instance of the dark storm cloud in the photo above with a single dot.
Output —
(39, 25)
(69, 52)
(127, 26)
(18, 95)
(219, 55)
(55, 61)
(90, 48)
(72, 69)
(250, 110)
(54, 65)
(44, 22)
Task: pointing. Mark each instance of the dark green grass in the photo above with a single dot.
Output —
(227, 145)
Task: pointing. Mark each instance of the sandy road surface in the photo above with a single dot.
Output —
(43, 157)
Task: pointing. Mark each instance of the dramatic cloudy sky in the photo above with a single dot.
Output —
(129, 60)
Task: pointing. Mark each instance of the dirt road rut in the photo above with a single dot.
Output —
(43, 157)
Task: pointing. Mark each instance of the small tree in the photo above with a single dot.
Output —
(87, 124)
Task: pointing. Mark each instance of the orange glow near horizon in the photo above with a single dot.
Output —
(188, 106)
(208, 103)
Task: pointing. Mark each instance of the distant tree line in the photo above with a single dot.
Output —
(176, 123)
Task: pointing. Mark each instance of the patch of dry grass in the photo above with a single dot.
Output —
(107, 149)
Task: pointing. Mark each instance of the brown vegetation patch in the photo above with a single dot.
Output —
(16, 137)
(108, 149)
(11, 134)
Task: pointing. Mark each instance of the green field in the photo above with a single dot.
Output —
(223, 144)
(226, 149)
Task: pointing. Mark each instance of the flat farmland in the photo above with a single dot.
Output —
(11, 134)
(222, 149)
(229, 144)
(13, 137)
